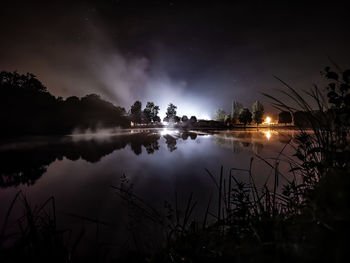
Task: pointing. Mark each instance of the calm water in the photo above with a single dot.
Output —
(79, 170)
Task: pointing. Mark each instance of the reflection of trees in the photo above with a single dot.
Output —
(257, 147)
(284, 137)
(171, 142)
(149, 141)
(26, 164)
(238, 141)
(192, 135)
(229, 142)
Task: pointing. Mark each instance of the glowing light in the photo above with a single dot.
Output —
(267, 135)
(268, 120)
(204, 117)
(166, 131)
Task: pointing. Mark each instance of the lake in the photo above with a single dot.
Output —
(79, 171)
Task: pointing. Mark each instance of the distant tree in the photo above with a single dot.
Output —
(150, 112)
(228, 119)
(219, 115)
(245, 116)
(156, 119)
(136, 112)
(155, 112)
(236, 108)
(258, 112)
(184, 118)
(177, 119)
(171, 113)
(284, 117)
(147, 112)
(27, 82)
(72, 100)
(193, 119)
(26, 107)
(301, 119)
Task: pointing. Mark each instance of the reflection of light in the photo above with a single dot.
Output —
(165, 131)
(268, 120)
(268, 134)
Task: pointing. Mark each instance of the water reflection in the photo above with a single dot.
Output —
(267, 134)
(26, 161)
(236, 141)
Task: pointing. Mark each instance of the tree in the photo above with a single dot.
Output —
(219, 115)
(27, 82)
(236, 108)
(171, 113)
(155, 112)
(228, 119)
(26, 107)
(258, 112)
(245, 116)
(136, 111)
(184, 118)
(177, 119)
(193, 119)
(284, 117)
(150, 113)
(156, 119)
(147, 112)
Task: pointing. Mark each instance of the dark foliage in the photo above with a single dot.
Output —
(284, 117)
(245, 116)
(136, 112)
(26, 107)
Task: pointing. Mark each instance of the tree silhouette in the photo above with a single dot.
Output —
(193, 119)
(171, 113)
(219, 115)
(228, 119)
(236, 107)
(245, 116)
(26, 107)
(151, 113)
(258, 112)
(184, 118)
(147, 112)
(136, 111)
(284, 117)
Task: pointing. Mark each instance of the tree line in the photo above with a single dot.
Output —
(26, 107)
(150, 114)
(241, 114)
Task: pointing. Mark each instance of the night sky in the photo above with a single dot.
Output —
(200, 56)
